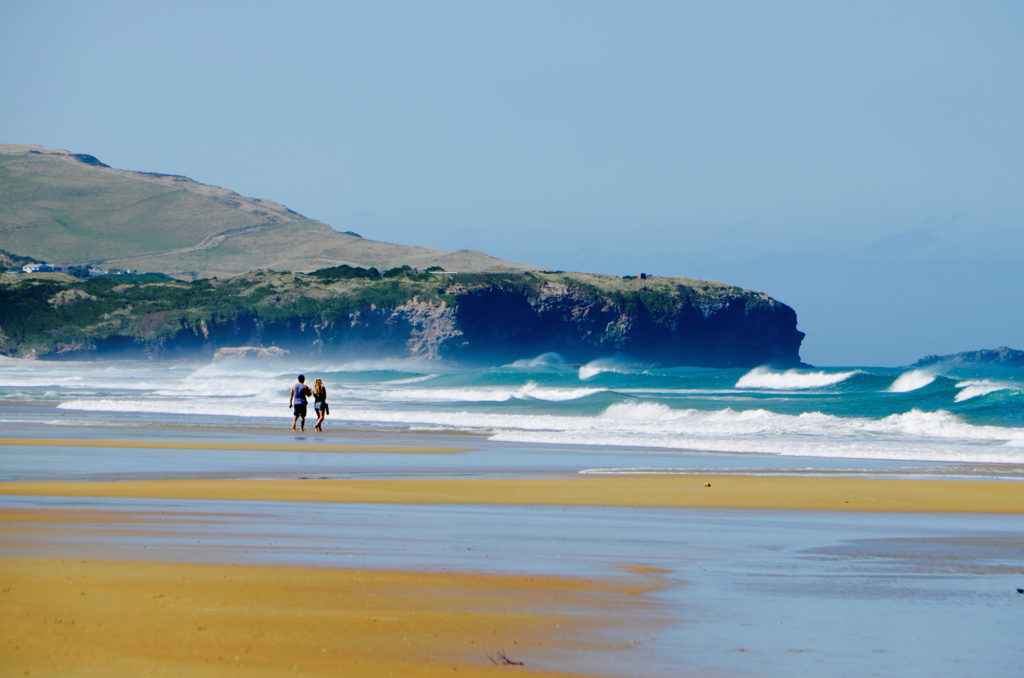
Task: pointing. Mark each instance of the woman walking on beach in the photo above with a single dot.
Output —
(319, 404)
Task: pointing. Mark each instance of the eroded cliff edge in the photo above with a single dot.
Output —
(466, 318)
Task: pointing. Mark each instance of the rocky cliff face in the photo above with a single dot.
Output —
(463, 318)
(495, 324)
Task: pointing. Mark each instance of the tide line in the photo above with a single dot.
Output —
(269, 446)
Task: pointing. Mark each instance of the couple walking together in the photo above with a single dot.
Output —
(297, 401)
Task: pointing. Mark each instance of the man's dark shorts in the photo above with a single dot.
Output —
(300, 410)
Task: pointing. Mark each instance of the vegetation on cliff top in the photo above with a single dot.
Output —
(52, 313)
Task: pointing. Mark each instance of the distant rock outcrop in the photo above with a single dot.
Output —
(1002, 356)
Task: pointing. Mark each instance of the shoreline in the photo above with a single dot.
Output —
(237, 446)
(733, 491)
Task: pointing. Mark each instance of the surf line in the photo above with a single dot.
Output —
(268, 446)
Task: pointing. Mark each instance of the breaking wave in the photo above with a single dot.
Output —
(915, 435)
(912, 381)
(602, 365)
(791, 380)
(978, 388)
(549, 359)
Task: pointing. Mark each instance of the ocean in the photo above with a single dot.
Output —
(968, 417)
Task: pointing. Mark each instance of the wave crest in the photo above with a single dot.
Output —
(978, 388)
(549, 359)
(791, 380)
(602, 365)
(912, 381)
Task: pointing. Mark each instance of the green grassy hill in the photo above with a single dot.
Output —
(62, 207)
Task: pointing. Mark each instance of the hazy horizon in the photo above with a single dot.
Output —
(859, 161)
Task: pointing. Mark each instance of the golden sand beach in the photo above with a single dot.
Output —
(677, 491)
(73, 617)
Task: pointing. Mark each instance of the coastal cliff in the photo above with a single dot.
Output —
(465, 318)
(215, 258)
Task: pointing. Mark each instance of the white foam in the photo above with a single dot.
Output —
(791, 380)
(912, 381)
(411, 365)
(410, 380)
(41, 381)
(529, 390)
(939, 436)
(916, 435)
(911, 436)
(61, 375)
(289, 368)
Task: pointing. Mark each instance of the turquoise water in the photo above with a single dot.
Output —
(961, 415)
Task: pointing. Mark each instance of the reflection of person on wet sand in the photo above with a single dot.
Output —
(319, 404)
(297, 401)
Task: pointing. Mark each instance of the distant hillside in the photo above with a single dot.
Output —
(8, 260)
(1002, 356)
(62, 207)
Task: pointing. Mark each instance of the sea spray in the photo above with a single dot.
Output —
(549, 359)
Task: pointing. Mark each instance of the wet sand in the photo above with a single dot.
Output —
(676, 491)
(122, 618)
(415, 569)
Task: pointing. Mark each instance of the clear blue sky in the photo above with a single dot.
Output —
(861, 161)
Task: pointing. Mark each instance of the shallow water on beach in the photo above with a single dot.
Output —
(767, 593)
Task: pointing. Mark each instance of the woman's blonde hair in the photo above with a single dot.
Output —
(318, 387)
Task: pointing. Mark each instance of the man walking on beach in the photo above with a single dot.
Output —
(297, 401)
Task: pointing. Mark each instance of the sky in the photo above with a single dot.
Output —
(860, 161)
